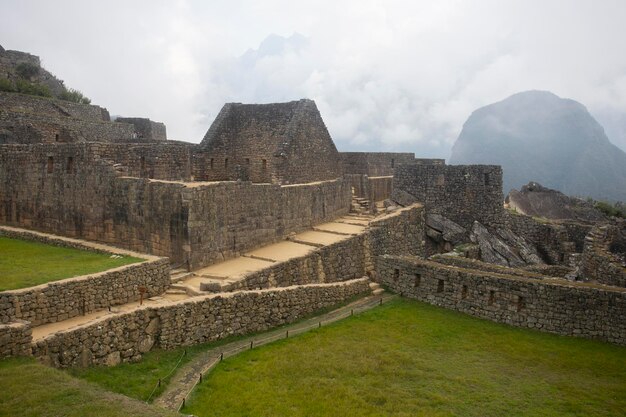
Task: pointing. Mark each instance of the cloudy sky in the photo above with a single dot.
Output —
(386, 75)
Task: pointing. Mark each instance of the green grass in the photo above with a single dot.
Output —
(33, 390)
(412, 359)
(137, 380)
(25, 264)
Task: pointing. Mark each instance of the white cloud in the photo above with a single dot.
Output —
(388, 75)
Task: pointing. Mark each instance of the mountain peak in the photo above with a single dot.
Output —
(538, 136)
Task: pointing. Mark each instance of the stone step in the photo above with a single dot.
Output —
(180, 276)
(186, 288)
(374, 285)
(175, 291)
(378, 291)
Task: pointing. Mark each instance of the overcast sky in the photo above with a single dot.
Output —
(386, 75)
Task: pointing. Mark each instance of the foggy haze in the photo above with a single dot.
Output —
(387, 76)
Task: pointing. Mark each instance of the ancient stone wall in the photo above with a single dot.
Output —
(374, 164)
(125, 337)
(380, 188)
(554, 241)
(397, 233)
(43, 106)
(550, 305)
(598, 262)
(284, 143)
(9, 61)
(145, 129)
(67, 298)
(372, 188)
(76, 190)
(35, 128)
(228, 218)
(170, 161)
(15, 339)
(70, 190)
(462, 193)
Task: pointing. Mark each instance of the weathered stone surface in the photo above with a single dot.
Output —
(492, 248)
(443, 229)
(604, 255)
(60, 300)
(538, 201)
(284, 143)
(463, 193)
(549, 304)
(190, 322)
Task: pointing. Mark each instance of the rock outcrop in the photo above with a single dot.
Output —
(538, 201)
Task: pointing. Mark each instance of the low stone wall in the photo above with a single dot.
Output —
(550, 305)
(399, 233)
(67, 298)
(467, 263)
(340, 261)
(63, 299)
(125, 337)
(15, 339)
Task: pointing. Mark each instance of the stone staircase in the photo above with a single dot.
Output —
(359, 205)
(376, 288)
(177, 277)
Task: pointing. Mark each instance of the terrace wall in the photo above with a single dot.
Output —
(126, 337)
(550, 305)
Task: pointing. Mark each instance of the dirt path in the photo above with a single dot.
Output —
(189, 375)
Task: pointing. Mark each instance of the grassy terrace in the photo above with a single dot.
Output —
(25, 264)
(33, 390)
(411, 359)
(402, 359)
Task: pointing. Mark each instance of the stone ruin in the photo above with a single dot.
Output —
(266, 175)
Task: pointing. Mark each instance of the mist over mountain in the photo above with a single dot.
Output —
(538, 136)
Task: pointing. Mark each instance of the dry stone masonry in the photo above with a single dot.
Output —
(551, 305)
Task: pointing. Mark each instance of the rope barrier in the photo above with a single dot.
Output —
(245, 345)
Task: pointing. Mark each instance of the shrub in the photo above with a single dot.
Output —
(6, 85)
(25, 87)
(26, 70)
(616, 210)
(74, 96)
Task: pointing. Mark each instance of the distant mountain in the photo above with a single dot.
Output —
(538, 136)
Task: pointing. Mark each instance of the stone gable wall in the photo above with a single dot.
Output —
(126, 337)
(550, 305)
(283, 143)
(462, 193)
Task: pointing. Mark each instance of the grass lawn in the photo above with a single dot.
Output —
(25, 264)
(33, 390)
(411, 359)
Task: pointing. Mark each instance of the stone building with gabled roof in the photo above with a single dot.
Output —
(281, 143)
